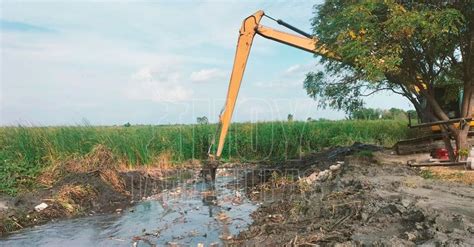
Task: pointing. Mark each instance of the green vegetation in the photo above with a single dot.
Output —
(421, 50)
(427, 174)
(290, 117)
(386, 46)
(25, 151)
(365, 153)
(202, 120)
(373, 114)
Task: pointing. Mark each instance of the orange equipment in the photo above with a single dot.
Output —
(250, 27)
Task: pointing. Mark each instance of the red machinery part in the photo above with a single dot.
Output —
(442, 154)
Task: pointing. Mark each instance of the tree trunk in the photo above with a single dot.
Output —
(447, 142)
(467, 110)
(462, 142)
(424, 115)
(460, 134)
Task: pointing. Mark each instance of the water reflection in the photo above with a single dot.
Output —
(188, 214)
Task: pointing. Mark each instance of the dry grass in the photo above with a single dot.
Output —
(100, 160)
(47, 178)
(71, 197)
(453, 174)
(411, 182)
(27, 151)
(163, 160)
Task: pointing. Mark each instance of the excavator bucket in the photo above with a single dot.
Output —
(209, 169)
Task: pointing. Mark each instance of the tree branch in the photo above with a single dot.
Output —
(376, 90)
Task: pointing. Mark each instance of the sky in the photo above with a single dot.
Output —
(159, 62)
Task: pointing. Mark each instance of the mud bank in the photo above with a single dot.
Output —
(192, 213)
(81, 187)
(367, 201)
(346, 196)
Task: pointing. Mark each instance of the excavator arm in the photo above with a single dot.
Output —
(250, 27)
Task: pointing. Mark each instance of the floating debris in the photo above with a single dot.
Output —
(40, 207)
(222, 217)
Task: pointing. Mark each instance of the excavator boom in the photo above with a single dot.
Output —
(250, 27)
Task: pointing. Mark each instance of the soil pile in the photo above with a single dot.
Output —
(362, 203)
(82, 186)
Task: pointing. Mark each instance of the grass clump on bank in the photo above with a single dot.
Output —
(25, 151)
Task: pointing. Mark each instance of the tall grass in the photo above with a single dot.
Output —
(25, 151)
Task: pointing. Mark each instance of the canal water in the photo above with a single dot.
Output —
(189, 214)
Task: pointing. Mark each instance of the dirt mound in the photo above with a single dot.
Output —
(92, 182)
(364, 204)
(100, 160)
(80, 186)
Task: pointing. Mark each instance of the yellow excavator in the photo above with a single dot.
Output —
(250, 27)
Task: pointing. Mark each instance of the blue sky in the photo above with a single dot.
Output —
(112, 62)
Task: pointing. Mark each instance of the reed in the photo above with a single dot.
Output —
(26, 151)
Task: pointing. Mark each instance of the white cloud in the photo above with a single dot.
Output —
(139, 55)
(293, 68)
(159, 83)
(291, 77)
(299, 70)
(206, 75)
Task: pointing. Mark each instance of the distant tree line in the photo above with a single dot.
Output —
(202, 120)
(356, 114)
(372, 114)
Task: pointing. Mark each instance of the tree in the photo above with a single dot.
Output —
(202, 120)
(412, 114)
(366, 114)
(412, 48)
(372, 114)
(395, 113)
(290, 117)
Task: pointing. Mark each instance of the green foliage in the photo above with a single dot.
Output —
(366, 114)
(395, 113)
(341, 96)
(390, 45)
(127, 124)
(412, 113)
(464, 152)
(427, 174)
(202, 120)
(372, 34)
(290, 117)
(25, 151)
(373, 114)
(365, 153)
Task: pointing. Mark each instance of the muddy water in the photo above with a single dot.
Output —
(188, 214)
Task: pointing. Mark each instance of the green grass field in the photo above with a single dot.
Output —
(25, 151)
